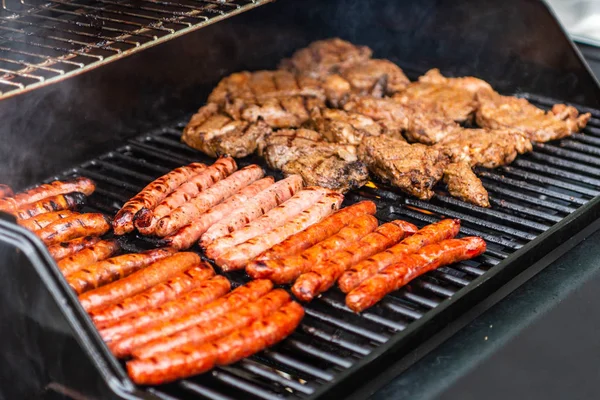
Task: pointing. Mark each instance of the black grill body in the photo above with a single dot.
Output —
(50, 347)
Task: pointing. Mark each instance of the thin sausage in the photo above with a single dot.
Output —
(269, 198)
(69, 201)
(210, 197)
(137, 282)
(242, 254)
(193, 360)
(219, 327)
(269, 221)
(287, 269)
(318, 232)
(65, 249)
(98, 252)
(43, 220)
(193, 317)
(155, 296)
(428, 258)
(5, 191)
(90, 224)
(80, 185)
(205, 293)
(152, 194)
(107, 271)
(433, 233)
(188, 235)
(145, 220)
(323, 275)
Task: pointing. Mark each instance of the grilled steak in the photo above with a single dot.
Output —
(421, 124)
(338, 126)
(498, 112)
(325, 57)
(465, 185)
(414, 168)
(283, 112)
(484, 147)
(454, 97)
(215, 133)
(303, 152)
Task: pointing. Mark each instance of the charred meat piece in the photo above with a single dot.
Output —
(215, 133)
(453, 97)
(465, 185)
(338, 126)
(303, 152)
(277, 112)
(483, 147)
(325, 57)
(252, 87)
(421, 124)
(499, 112)
(377, 78)
(413, 168)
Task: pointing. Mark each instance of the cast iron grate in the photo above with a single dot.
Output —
(528, 197)
(46, 41)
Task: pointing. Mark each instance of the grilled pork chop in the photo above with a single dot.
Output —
(499, 112)
(465, 185)
(414, 168)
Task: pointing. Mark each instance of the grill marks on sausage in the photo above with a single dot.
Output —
(75, 226)
(43, 220)
(97, 252)
(65, 249)
(59, 202)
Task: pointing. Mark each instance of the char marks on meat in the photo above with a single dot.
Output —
(216, 133)
(465, 185)
(484, 147)
(325, 57)
(414, 168)
(499, 112)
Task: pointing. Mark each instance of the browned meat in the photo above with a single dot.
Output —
(483, 147)
(465, 185)
(324, 57)
(277, 112)
(215, 133)
(334, 166)
(468, 83)
(338, 126)
(420, 123)
(377, 78)
(251, 87)
(498, 112)
(414, 168)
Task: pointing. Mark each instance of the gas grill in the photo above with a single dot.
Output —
(127, 134)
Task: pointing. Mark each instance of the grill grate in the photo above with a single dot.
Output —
(528, 198)
(46, 41)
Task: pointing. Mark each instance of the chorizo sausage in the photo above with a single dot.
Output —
(69, 201)
(98, 252)
(75, 226)
(65, 249)
(43, 220)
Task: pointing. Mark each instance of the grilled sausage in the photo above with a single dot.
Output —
(193, 317)
(323, 275)
(269, 198)
(153, 194)
(318, 232)
(218, 327)
(90, 224)
(267, 222)
(5, 191)
(205, 293)
(107, 271)
(287, 269)
(193, 360)
(212, 196)
(188, 235)
(242, 254)
(444, 229)
(145, 220)
(65, 249)
(79, 185)
(428, 258)
(43, 220)
(98, 252)
(153, 297)
(137, 282)
(69, 201)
